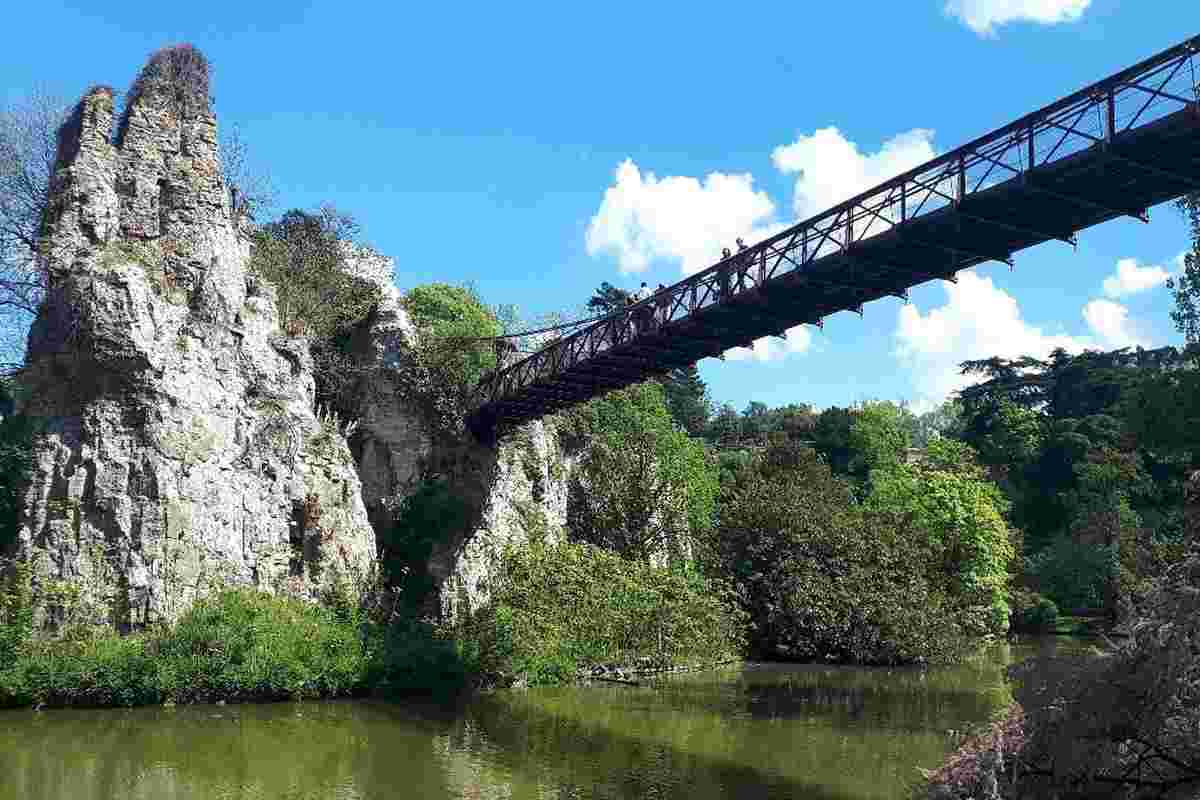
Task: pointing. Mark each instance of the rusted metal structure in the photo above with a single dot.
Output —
(1113, 149)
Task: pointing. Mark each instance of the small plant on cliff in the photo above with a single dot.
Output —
(178, 75)
(304, 256)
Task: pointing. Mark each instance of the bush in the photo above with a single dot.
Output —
(556, 608)
(647, 489)
(243, 644)
(425, 517)
(1072, 574)
(450, 318)
(237, 645)
(411, 656)
(306, 256)
(1032, 613)
(822, 580)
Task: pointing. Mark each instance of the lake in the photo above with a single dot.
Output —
(748, 731)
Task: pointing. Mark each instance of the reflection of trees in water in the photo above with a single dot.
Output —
(759, 732)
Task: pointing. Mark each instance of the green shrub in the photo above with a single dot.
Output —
(1032, 612)
(411, 656)
(242, 644)
(821, 579)
(449, 319)
(16, 610)
(16, 460)
(1072, 574)
(101, 671)
(426, 516)
(237, 645)
(559, 607)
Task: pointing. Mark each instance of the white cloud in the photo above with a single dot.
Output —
(679, 218)
(1131, 278)
(984, 16)
(1110, 323)
(831, 169)
(799, 340)
(979, 320)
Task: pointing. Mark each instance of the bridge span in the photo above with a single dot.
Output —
(1112, 149)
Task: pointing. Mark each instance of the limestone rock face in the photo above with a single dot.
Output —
(181, 450)
(513, 492)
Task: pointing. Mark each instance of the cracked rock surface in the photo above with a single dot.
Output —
(181, 452)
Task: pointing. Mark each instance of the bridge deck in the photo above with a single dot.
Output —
(1113, 149)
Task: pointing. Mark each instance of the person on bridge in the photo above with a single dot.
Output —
(643, 315)
(663, 302)
(723, 274)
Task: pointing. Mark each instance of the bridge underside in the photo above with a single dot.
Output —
(1122, 174)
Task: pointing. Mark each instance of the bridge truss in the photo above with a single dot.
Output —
(1112, 149)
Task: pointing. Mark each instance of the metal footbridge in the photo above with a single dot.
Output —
(1112, 149)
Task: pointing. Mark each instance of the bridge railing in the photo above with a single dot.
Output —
(1095, 115)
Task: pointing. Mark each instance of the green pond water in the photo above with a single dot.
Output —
(751, 731)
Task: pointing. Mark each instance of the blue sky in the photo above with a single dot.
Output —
(537, 150)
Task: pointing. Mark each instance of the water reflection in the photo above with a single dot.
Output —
(753, 731)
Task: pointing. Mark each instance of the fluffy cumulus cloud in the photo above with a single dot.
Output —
(687, 220)
(643, 218)
(1110, 324)
(1131, 278)
(984, 16)
(979, 320)
(798, 340)
(829, 168)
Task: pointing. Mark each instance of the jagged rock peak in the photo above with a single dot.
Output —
(181, 451)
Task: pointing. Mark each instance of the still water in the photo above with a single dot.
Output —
(753, 731)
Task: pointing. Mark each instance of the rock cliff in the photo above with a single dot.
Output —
(181, 448)
(511, 492)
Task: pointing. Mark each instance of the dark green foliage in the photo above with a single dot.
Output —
(423, 518)
(1032, 612)
(16, 460)
(1186, 287)
(559, 607)
(647, 487)
(608, 298)
(687, 400)
(1072, 573)
(304, 256)
(820, 579)
(409, 656)
(237, 645)
(831, 438)
(451, 319)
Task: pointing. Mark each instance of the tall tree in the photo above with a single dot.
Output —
(1186, 287)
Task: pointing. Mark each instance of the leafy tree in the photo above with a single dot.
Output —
(878, 437)
(608, 298)
(686, 393)
(686, 396)
(831, 438)
(305, 257)
(647, 488)
(1186, 288)
(819, 578)
(959, 516)
(451, 319)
